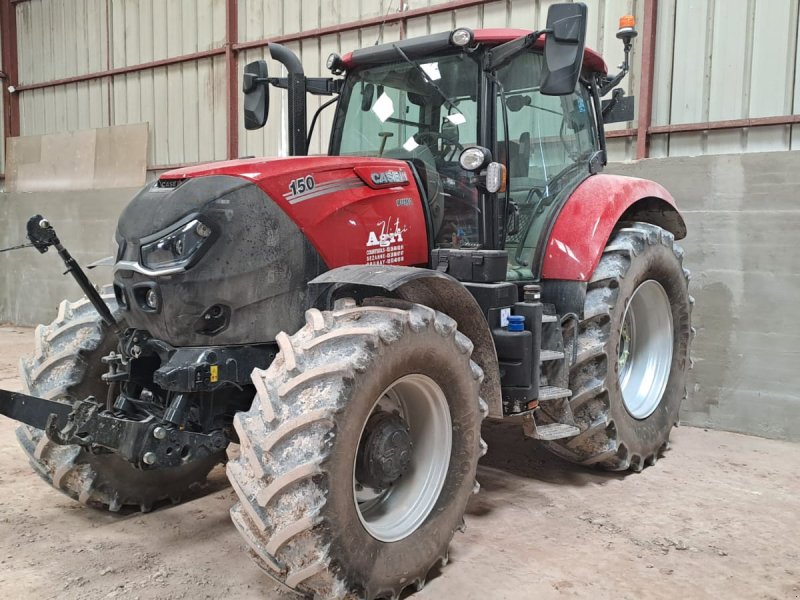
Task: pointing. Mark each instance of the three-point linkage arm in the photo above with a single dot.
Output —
(42, 236)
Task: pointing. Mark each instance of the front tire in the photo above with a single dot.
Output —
(629, 378)
(66, 366)
(302, 450)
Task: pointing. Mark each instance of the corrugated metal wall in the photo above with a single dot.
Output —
(715, 59)
(185, 103)
(58, 39)
(718, 60)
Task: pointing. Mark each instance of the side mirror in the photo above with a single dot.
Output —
(367, 94)
(256, 94)
(563, 48)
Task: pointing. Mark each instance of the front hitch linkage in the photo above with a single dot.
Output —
(42, 236)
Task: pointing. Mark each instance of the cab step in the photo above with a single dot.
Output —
(553, 431)
(550, 355)
(551, 392)
(549, 319)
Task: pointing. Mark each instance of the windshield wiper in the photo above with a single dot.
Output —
(447, 100)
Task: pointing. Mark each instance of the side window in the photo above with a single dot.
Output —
(549, 139)
(546, 133)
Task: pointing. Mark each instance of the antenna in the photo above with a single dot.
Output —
(380, 29)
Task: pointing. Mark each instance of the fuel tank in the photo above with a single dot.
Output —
(221, 253)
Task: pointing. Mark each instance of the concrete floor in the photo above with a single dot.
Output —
(716, 518)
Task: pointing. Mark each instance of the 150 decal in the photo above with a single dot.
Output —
(301, 185)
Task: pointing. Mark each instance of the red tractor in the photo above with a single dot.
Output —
(348, 321)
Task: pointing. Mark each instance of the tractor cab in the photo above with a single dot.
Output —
(429, 100)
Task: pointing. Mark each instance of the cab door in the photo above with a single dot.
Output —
(550, 141)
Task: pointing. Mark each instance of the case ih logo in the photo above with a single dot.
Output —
(390, 178)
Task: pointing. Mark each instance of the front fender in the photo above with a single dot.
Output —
(422, 286)
(589, 216)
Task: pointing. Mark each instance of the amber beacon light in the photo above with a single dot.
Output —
(627, 28)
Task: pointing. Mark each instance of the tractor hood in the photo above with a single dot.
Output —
(333, 198)
(259, 170)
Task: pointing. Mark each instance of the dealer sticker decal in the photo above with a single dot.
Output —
(385, 243)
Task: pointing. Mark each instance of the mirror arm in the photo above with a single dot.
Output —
(324, 86)
(319, 86)
(598, 113)
(501, 55)
(611, 82)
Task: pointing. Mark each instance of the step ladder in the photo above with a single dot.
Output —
(554, 395)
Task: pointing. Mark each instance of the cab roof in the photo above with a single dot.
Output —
(431, 44)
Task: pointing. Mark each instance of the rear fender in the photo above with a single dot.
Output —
(422, 286)
(590, 215)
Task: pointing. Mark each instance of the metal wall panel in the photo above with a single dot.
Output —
(62, 108)
(720, 60)
(148, 30)
(184, 105)
(61, 38)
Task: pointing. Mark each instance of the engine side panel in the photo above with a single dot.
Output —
(589, 216)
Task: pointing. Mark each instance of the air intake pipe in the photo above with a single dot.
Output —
(297, 98)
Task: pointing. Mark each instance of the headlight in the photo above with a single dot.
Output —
(474, 158)
(462, 37)
(178, 248)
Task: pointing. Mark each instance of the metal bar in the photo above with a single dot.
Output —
(8, 23)
(358, 24)
(31, 410)
(231, 76)
(708, 126)
(646, 83)
(730, 124)
(175, 60)
(621, 133)
(110, 86)
(403, 21)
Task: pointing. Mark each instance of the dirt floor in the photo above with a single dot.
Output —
(717, 518)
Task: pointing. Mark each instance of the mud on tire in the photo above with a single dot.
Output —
(611, 438)
(294, 473)
(66, 366)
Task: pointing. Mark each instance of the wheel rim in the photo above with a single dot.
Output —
(394, 513)
(645, 349)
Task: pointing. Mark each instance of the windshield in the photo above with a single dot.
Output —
(426, 112)
(390, 106)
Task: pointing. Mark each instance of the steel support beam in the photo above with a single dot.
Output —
(730, 124)
(646, 82)
(175, 60)
(8, 23)
(231, 76)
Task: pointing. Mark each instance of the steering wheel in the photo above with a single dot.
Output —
(435, 136)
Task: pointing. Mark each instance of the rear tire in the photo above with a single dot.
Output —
(626, 420)
(66, 366)
(298, 508)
